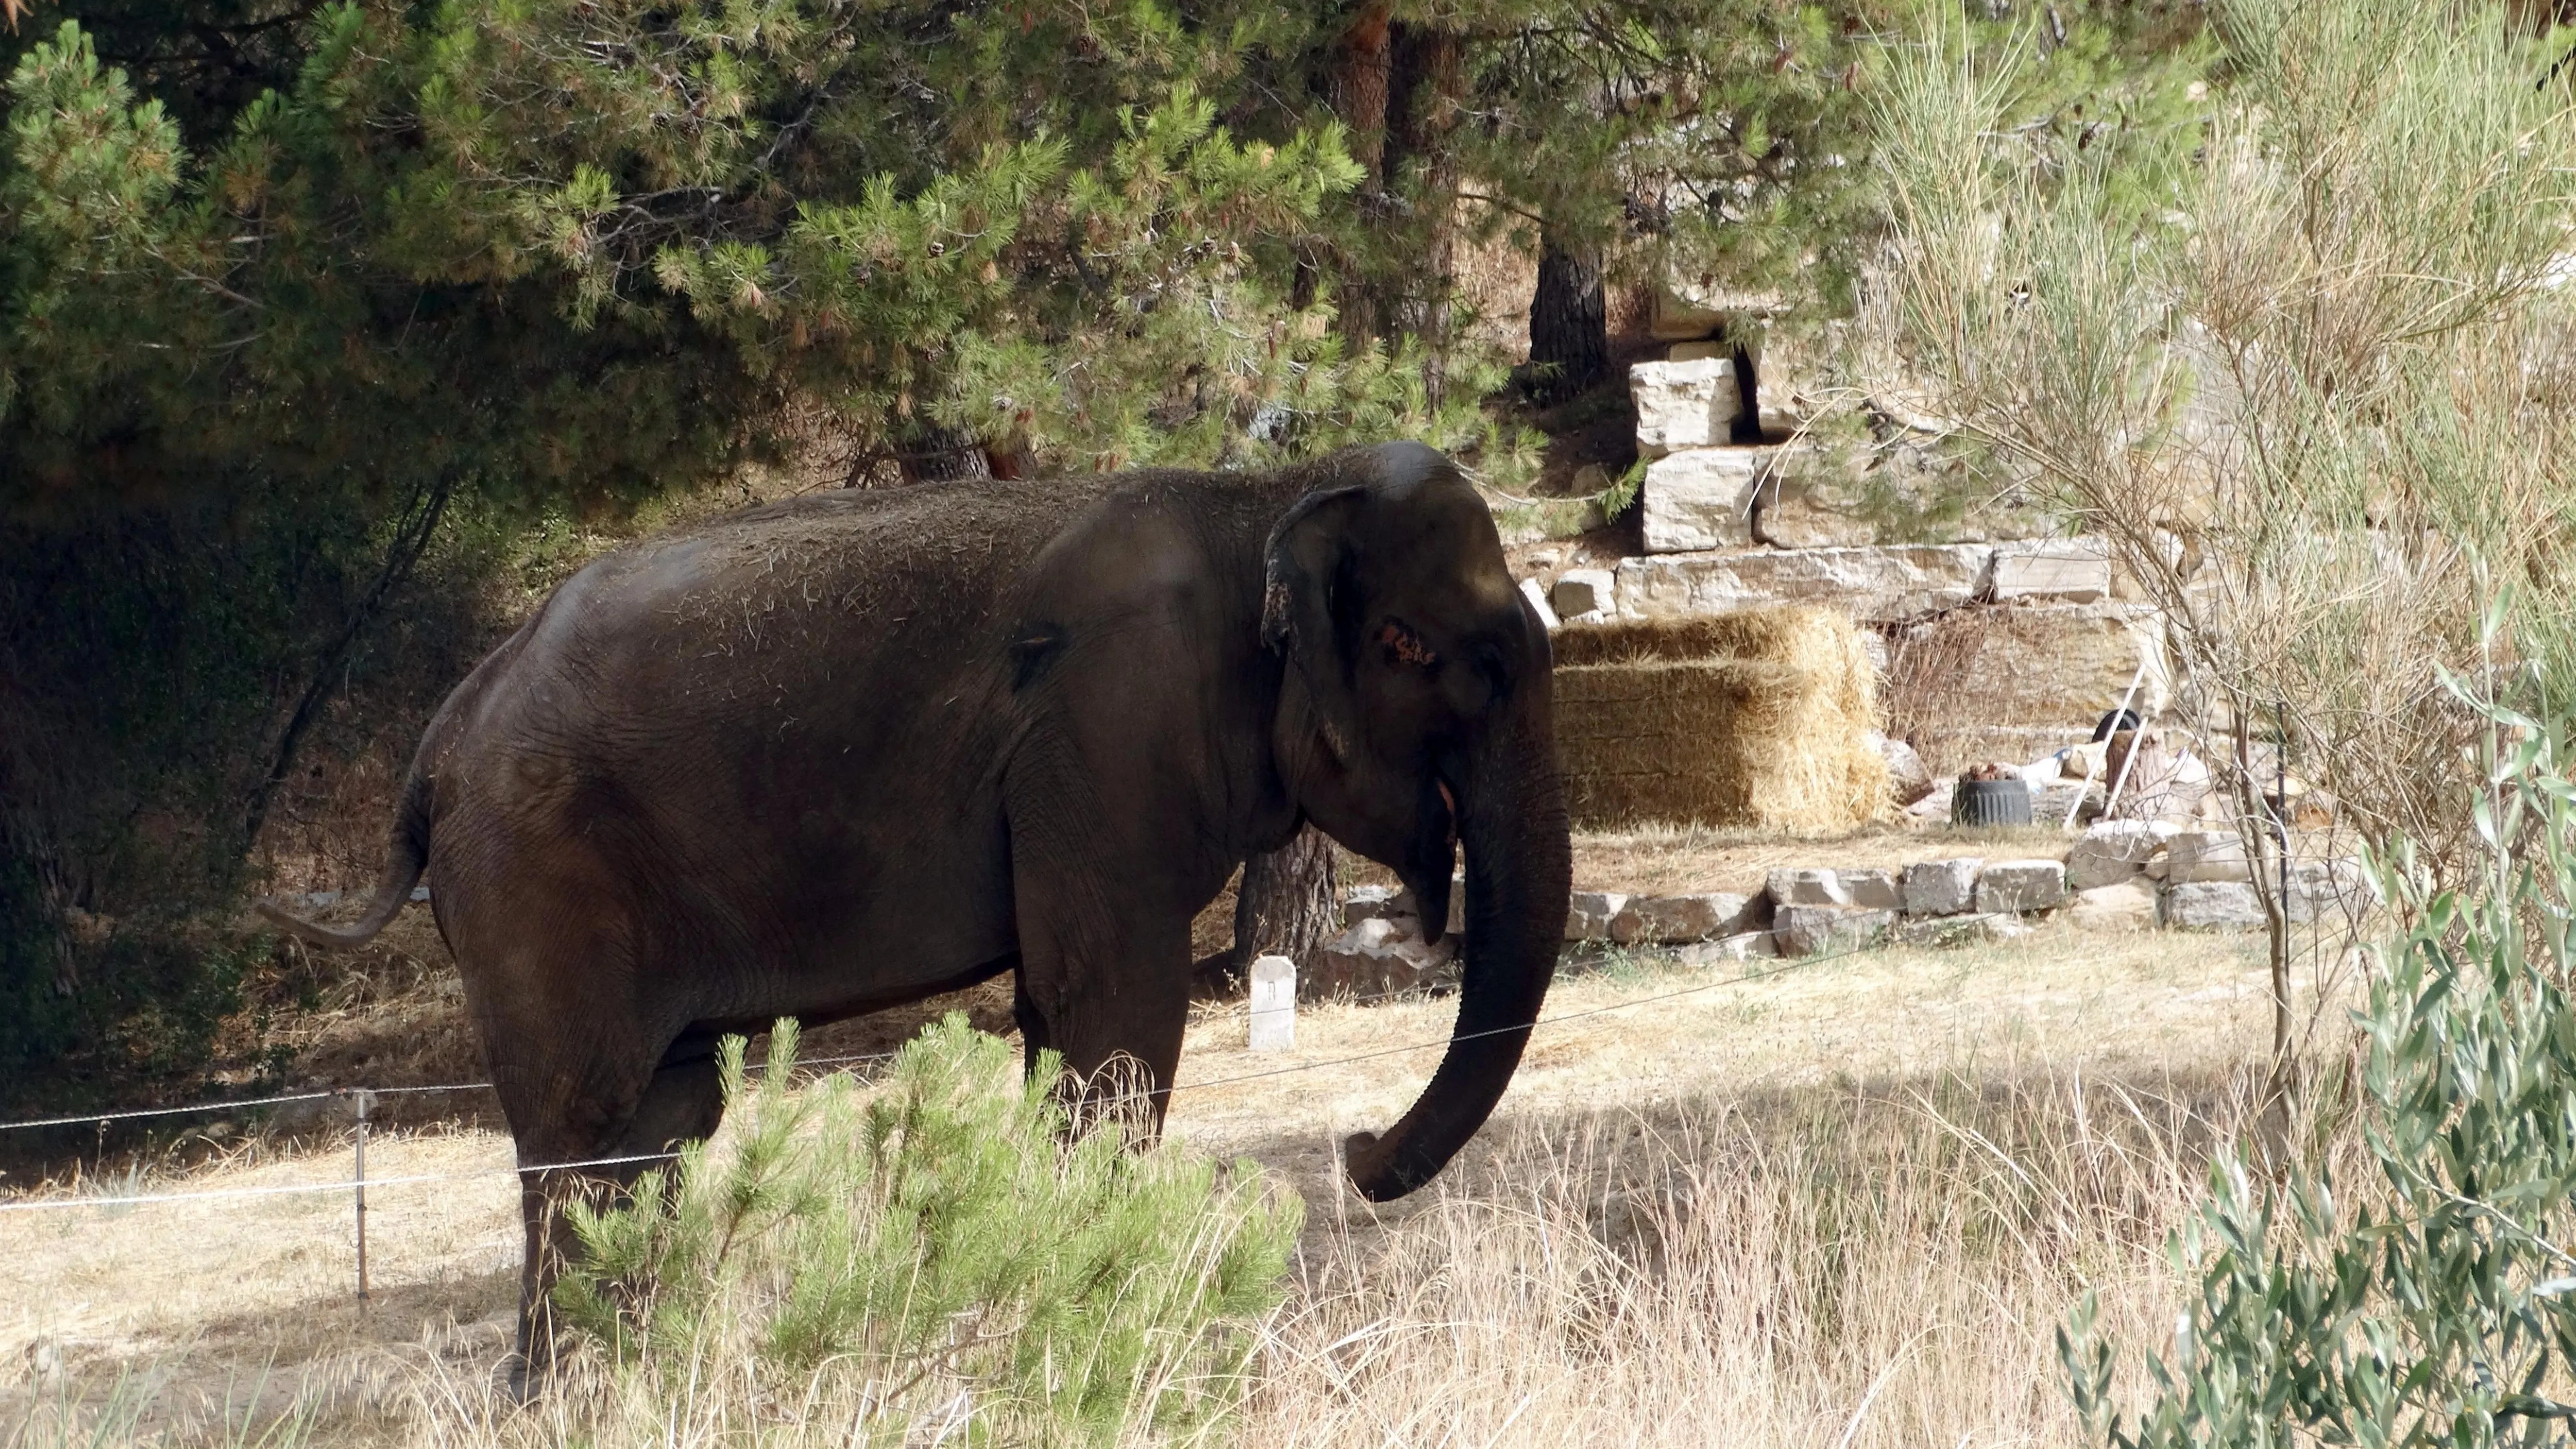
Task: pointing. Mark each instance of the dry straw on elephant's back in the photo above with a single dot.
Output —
(1755, 718)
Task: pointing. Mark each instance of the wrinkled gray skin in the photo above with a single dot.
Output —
(850, 751)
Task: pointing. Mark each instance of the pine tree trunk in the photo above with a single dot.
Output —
(1286, 904)
(933, 454)
(1357, 88)
(1569, 321)
(1426, 92)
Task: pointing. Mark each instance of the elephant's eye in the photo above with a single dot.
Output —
(1404, 644)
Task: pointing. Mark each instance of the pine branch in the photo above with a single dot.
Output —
(411, 539)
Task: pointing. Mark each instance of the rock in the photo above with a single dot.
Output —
(1871, 888)
(1404, 907)
(2114, 851)
(1805, 888)
(1807, 501)
(1741, 946)
(2212, 906)
(2129, 905)
(1689, 306)
(2055, 570)
(44, 1360)
(1589, 913)
(1798, 373)
(1813, 930)
(1375, 957)
(2052, 802)
(2336, 891)
(1941, 887)
(2022, 679)
(1700, 499)
(2021, 885)
(1537, 597)
(1872, 584)
(1367, 903)
(1698, 348)
(1935, 806)
(1942, 932)
(1907, 779)
(1582, 591)
(2201, 856)
(1683, 404)
(1671, 920)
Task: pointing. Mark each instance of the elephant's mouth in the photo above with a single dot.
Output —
(1434, 857)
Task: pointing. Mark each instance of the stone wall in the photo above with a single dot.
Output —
(1992, 647)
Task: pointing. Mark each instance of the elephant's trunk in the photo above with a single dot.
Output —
(1519, 870)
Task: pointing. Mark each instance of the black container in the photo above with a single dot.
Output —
(1991, 802)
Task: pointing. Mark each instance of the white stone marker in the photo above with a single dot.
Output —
(1274, 1003)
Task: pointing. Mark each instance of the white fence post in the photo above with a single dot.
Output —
(1274, 1004)
(366, 1099)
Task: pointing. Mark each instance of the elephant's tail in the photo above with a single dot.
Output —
(406, 858)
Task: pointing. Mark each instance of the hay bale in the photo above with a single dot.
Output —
(1759, 717)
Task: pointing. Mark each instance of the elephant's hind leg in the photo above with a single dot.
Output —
(590, 1117)
(679, 1103)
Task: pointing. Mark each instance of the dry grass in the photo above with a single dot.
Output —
(1759, 717)
(2009, 682)
(1856, 1196)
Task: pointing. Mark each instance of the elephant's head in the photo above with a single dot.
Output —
(1415, 716)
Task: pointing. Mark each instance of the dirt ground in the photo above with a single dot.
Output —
(229, 1290)
(1678, 860)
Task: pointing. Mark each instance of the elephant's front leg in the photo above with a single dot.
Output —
(1104, 976)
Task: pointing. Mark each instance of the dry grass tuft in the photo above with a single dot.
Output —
(1850, 1267)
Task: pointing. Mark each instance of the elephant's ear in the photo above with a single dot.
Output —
(1306, 557)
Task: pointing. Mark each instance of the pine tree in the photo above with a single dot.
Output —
(288, 294)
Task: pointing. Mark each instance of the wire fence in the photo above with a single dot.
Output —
(362, 1098)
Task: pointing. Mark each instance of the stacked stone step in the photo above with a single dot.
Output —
(2201, 879)
(1711, 514)
(2119, 875)
(1729, 526)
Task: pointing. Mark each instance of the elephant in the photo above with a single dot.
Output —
(848, 751)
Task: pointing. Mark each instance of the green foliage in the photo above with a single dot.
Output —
(1622, 492)
(2277, 339)
(942, 1235)
(613, 240)
(2432, 1308)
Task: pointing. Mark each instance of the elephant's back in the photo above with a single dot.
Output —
(777, 717)
(934, 557)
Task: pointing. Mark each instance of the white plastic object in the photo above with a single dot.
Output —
(1274, 1003)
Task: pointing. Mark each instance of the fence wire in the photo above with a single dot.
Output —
(359, 1184)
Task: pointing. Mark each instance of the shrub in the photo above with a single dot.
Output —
(2433, 1307)
(943, 1248)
